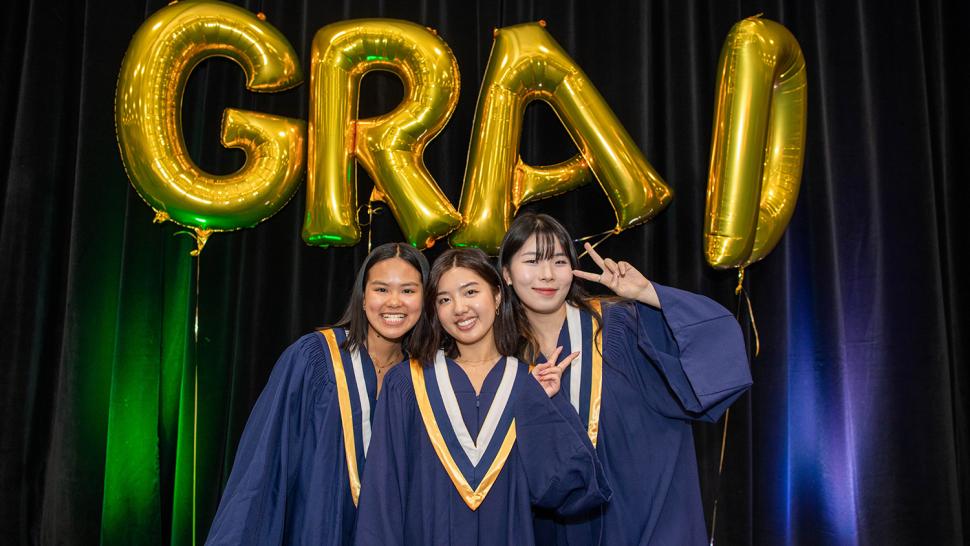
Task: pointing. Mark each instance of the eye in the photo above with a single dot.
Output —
(562, 262)
(471, 292)
(380, 289)
(530, 261)
(409, 291)
(442, 300)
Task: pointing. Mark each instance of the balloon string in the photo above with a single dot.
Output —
(720, 470)
(588, 237)
(371, 212)
(195, 397)
(754, 325)
(743, 297)
(605, 235)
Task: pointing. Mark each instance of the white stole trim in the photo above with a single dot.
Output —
(575, 328)
(474, 449)
(364, 398)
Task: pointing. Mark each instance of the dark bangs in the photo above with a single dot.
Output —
(547, 231)
(546, 243)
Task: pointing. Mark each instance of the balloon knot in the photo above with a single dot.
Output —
(201, 238)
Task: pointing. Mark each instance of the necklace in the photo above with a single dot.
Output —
(478, 363)
(380, 369)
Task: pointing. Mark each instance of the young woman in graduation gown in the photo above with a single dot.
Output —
(296, 478)
(466, 440)
(653, 360)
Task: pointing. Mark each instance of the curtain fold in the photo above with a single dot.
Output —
(119, 421)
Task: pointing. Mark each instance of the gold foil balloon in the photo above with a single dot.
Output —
(527, 64)
(148, 117)
(390, 147)
(757, 149)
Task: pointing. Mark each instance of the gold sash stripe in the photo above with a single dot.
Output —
(473, 498)
(596, 378)
(346, 413)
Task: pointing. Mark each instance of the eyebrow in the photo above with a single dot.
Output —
(408, 283)
(460, 286)
(534, 253)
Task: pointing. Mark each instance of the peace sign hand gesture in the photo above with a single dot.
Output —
(549, 374)
(622, 278)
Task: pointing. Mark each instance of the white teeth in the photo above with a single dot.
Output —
(466, 322)
(393, 318)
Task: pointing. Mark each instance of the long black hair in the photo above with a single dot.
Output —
(548, 232)
(354, 319)
(429, 334)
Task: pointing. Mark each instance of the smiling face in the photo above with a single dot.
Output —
(466, 305)
(541, 284)
(392, 298)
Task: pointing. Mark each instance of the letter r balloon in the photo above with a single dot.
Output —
(390, 147)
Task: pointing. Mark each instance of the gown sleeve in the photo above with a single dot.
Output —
(273, 452)
(380, 511)
(562, 469)
(693, 343)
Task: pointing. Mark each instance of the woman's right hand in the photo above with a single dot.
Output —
(549, 374)
(622, 278)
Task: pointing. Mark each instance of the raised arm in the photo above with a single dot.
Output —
(688, 355)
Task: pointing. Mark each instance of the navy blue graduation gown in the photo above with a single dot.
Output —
(409, 497)
(291, 483)
(661, 369)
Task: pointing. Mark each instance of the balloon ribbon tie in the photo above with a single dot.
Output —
(372, 210)
(201, 237)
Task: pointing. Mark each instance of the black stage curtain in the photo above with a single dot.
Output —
(856, 429)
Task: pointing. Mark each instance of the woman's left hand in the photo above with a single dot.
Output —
(549, 374)
(622, 278)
